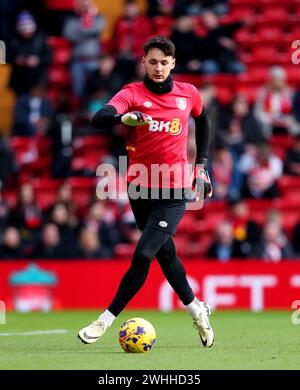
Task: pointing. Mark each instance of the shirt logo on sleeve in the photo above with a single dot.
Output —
(147, 104)
(181, 103)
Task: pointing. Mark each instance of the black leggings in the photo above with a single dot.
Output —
(153, 242)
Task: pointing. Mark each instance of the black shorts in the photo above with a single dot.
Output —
(162, 214)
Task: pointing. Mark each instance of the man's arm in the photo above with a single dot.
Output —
(202, 135)
(108, 117)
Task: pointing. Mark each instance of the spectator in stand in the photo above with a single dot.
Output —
(196, 7)
(233, 140)
(222, 170)
(84, 30)
(262, 170)
(90, 246)
(130, 32)
(128, 36)
(189, 50)
(67, 229)
(238, 130)
(8, 164)
(27, 213)
(61, 131)
(225, 247)
(292, 160)
(245, 230)
(10, 247)
(33, 113)
(64, 196)
(27, 217)
(94, 102)
(4, 212)
(128, 227)
(7, 16)
(30, 55)
(50, 246)
(274, 105)
(241, 115)
(296, 106)
(165, 7)
(274, 246)
(219, 46)
(296, 240)
(208, 93)
(107, 232)
(104, 77)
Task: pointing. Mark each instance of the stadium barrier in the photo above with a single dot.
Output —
(91, 284)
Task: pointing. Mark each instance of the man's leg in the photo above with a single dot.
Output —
(176, 276)
(174, 271)
(149, 244)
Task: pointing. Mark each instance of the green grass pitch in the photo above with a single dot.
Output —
(244, 340)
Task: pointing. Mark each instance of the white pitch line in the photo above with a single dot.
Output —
(35, 332)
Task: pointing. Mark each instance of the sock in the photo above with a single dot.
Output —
(193, 307)
(107, 317)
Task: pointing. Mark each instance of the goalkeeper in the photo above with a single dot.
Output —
(157, 111)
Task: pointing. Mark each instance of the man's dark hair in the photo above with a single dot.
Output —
(162, 43)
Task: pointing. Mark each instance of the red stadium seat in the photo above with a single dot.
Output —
(288, 184)
(255, 74)
(289, 220)
(250, 91)
(288, 203)
(293, 74)
(84, 189)
(187, 223)
(60, 5)
(244, 38)
(124, 251)
(265, 53)
(92, 142)
(285, 141)
(224, 94)
(21, 145)
(269, 34)
(280, 144)
(61, 56)
(195, 79)
(163, 25)
(45, 191)
(214, 205)
(200, 247)
(259, 205)
(276, 14)
(59, 76)
(234, 3)
(242, 12)
(182, 242)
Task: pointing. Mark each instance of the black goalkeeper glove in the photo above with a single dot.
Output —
(201, 182)
(135, 118)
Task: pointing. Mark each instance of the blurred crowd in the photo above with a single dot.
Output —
(243, 164)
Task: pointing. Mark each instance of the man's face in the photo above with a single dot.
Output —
(158, 66)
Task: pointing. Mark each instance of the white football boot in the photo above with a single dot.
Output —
(90, 334)
(201, 323)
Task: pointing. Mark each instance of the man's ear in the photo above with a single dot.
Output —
(173, 63)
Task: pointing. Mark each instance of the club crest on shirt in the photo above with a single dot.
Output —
(181, 103)
(147, 104)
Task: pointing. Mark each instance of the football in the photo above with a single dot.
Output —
(137, 336)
